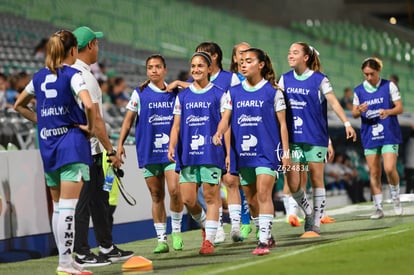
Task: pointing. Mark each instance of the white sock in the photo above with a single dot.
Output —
(265, 225)
(377, 200)
(66, 230)
(235, 214)
(55, 218)
(395, 191)
(319, 204)
(160, 228)
(220, 221)
(293, 206)
(176, 219)
(106, 250)
(300, 198)
(285, 199)
(211, 230)
(200, 218)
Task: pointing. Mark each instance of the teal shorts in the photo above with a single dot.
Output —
(387, 148)
(304, 152)
(70, 172)
(200, 173)
(152, 170)
(248, 175)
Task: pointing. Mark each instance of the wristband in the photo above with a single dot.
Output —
(347, 124)
(111, 154)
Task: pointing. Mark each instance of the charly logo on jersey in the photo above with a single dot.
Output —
(196, 142)
(54, 111)
(248, 120)
(54, 132)
(193, 120)
(377, 131)
(248, 142)
(161, 140)
(160, 119)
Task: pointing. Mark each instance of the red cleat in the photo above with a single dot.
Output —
(207, 248)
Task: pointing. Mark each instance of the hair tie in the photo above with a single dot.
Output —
(313, 50)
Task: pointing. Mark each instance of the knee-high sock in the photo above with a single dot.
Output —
(66, 230)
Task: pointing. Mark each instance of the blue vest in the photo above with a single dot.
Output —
(60, 142)
(377, 132)
(306, 112)
(255, 129)
(153, 126)
(223, 80)
(200, 116)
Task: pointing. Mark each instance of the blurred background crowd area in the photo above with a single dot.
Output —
(345, 32)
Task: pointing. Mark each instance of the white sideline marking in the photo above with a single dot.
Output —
(296, 252)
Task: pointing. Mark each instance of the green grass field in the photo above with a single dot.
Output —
(354, 244)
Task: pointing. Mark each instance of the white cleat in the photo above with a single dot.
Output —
(220, 235)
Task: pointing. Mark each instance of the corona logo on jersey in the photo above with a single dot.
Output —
(297, 122)
(248, 142)
(160, 140)
(376, 130)
(46, 133)
(197, 141)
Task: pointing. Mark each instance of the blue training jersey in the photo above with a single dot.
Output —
(306, 114)
(200, 116)
(255, 129)
(60, 141)
(377, 132)
(153, 126)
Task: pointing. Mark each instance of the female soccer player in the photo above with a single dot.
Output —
(225, 80)
(197, 112)
(154, 107)
(65, 121)
(378, 102)
(245, 228)
(255, 111)
(307, 93)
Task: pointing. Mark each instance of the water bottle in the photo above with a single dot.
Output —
(109, 179)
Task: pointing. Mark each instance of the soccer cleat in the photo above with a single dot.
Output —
(177, 240)
(236, 236)
(74, 272)
(294, 221)
(379, 214)
(207, 248)
(73, 269)
(162, 247)
(397, 206)
(327, 219)
(117, 254)
(271, 242)
(308, 223)
(310, 234)
(91, 260)
(261, 249)
(220, 235)
(245, 230)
